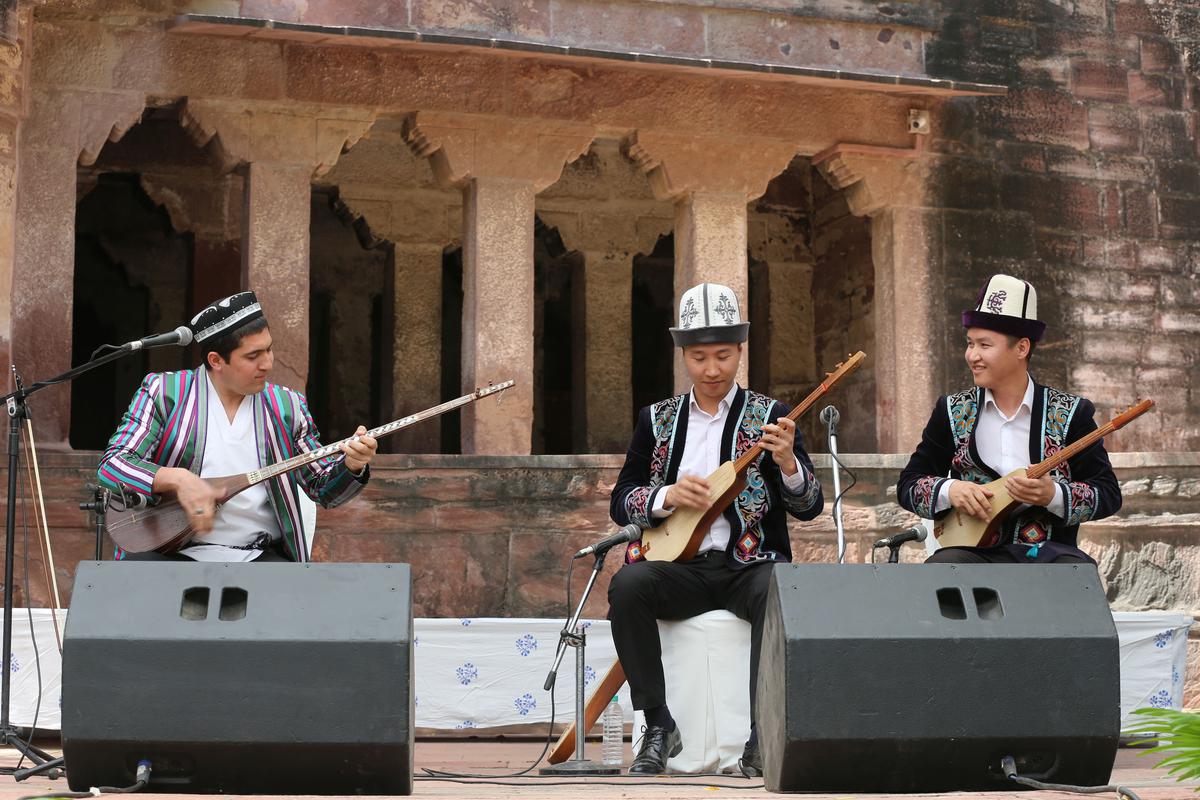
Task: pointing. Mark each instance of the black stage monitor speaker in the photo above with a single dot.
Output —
(240, 678)
(920, 678)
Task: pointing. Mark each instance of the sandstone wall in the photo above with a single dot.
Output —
(1085, 179)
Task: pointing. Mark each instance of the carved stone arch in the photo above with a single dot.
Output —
(710, 179)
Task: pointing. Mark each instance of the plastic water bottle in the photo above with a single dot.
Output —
(612, 743)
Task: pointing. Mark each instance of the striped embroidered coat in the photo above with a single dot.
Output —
(165, 427)
(757, 518)
(948, 450)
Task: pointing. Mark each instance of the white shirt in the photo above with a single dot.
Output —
(231, 448)
(701, 457)
(1003, 445)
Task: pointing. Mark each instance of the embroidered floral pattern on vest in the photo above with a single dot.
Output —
(1081, 503)
(922, 497)
(752, 503)
(749, 507)
(637, 502)
(1056, 421)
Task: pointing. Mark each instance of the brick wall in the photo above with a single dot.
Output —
(489, 535)
(1085, 179)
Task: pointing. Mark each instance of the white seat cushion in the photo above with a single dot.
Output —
(706, 660)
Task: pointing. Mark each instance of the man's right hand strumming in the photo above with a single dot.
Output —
(971, 499)
(197, 497)
(691, 491)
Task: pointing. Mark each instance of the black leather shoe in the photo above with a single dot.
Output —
(751, 761)
(658, 744)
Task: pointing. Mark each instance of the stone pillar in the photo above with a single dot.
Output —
(417, 345)
(498, 310)
(62, 131)
(279, 151)
(500, 165)
(275, 244)
(604, 386)
(710, 181)
(906, 249)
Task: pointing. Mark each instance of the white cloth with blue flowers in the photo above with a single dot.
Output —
(488, 672)
(1153, 659)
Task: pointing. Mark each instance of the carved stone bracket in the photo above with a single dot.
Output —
(462, 147)
(105, 117)
(247, 132)
(677, 165)
(872, 182)
(207, 209)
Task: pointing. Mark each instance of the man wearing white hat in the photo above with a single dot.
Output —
(1007, 421)
(224, 418)
(676, 444)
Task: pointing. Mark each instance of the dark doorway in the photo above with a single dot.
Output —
(653, 368)
(553, 336)
(132, 279)
(452, 311)
(350, 327)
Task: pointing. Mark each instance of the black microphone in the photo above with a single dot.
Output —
(916, 533)
(830, 417)
(181, 336)
(630, 533)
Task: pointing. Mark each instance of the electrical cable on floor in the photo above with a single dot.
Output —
(616, 780)
(143, 778)
(1009, 765)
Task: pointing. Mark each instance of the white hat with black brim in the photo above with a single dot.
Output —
(1006, 305)
(709, 314)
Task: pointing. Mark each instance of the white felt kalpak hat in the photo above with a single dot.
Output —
(1006, 305)
(709, 314)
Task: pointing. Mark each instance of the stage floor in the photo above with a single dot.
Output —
(464, 755)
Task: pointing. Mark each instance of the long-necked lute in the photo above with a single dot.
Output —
(680, 537)
(165, 527)
(957, 529)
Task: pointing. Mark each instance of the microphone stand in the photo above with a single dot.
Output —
(830, 416)
(572, 635)
(98, 504)
(18, 412)
(894, 553)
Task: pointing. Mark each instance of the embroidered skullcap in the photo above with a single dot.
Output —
(226, 316)
(709, 314)
(1006, 305)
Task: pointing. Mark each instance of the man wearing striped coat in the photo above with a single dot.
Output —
(224, 418)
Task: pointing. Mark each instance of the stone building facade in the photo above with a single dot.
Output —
(432, 195)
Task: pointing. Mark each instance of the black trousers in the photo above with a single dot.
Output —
(644, 592)
(991, 555)
(273, 553)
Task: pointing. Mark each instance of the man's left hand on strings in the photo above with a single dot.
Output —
(1035, 491)
(778, 440)
(359, 453)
